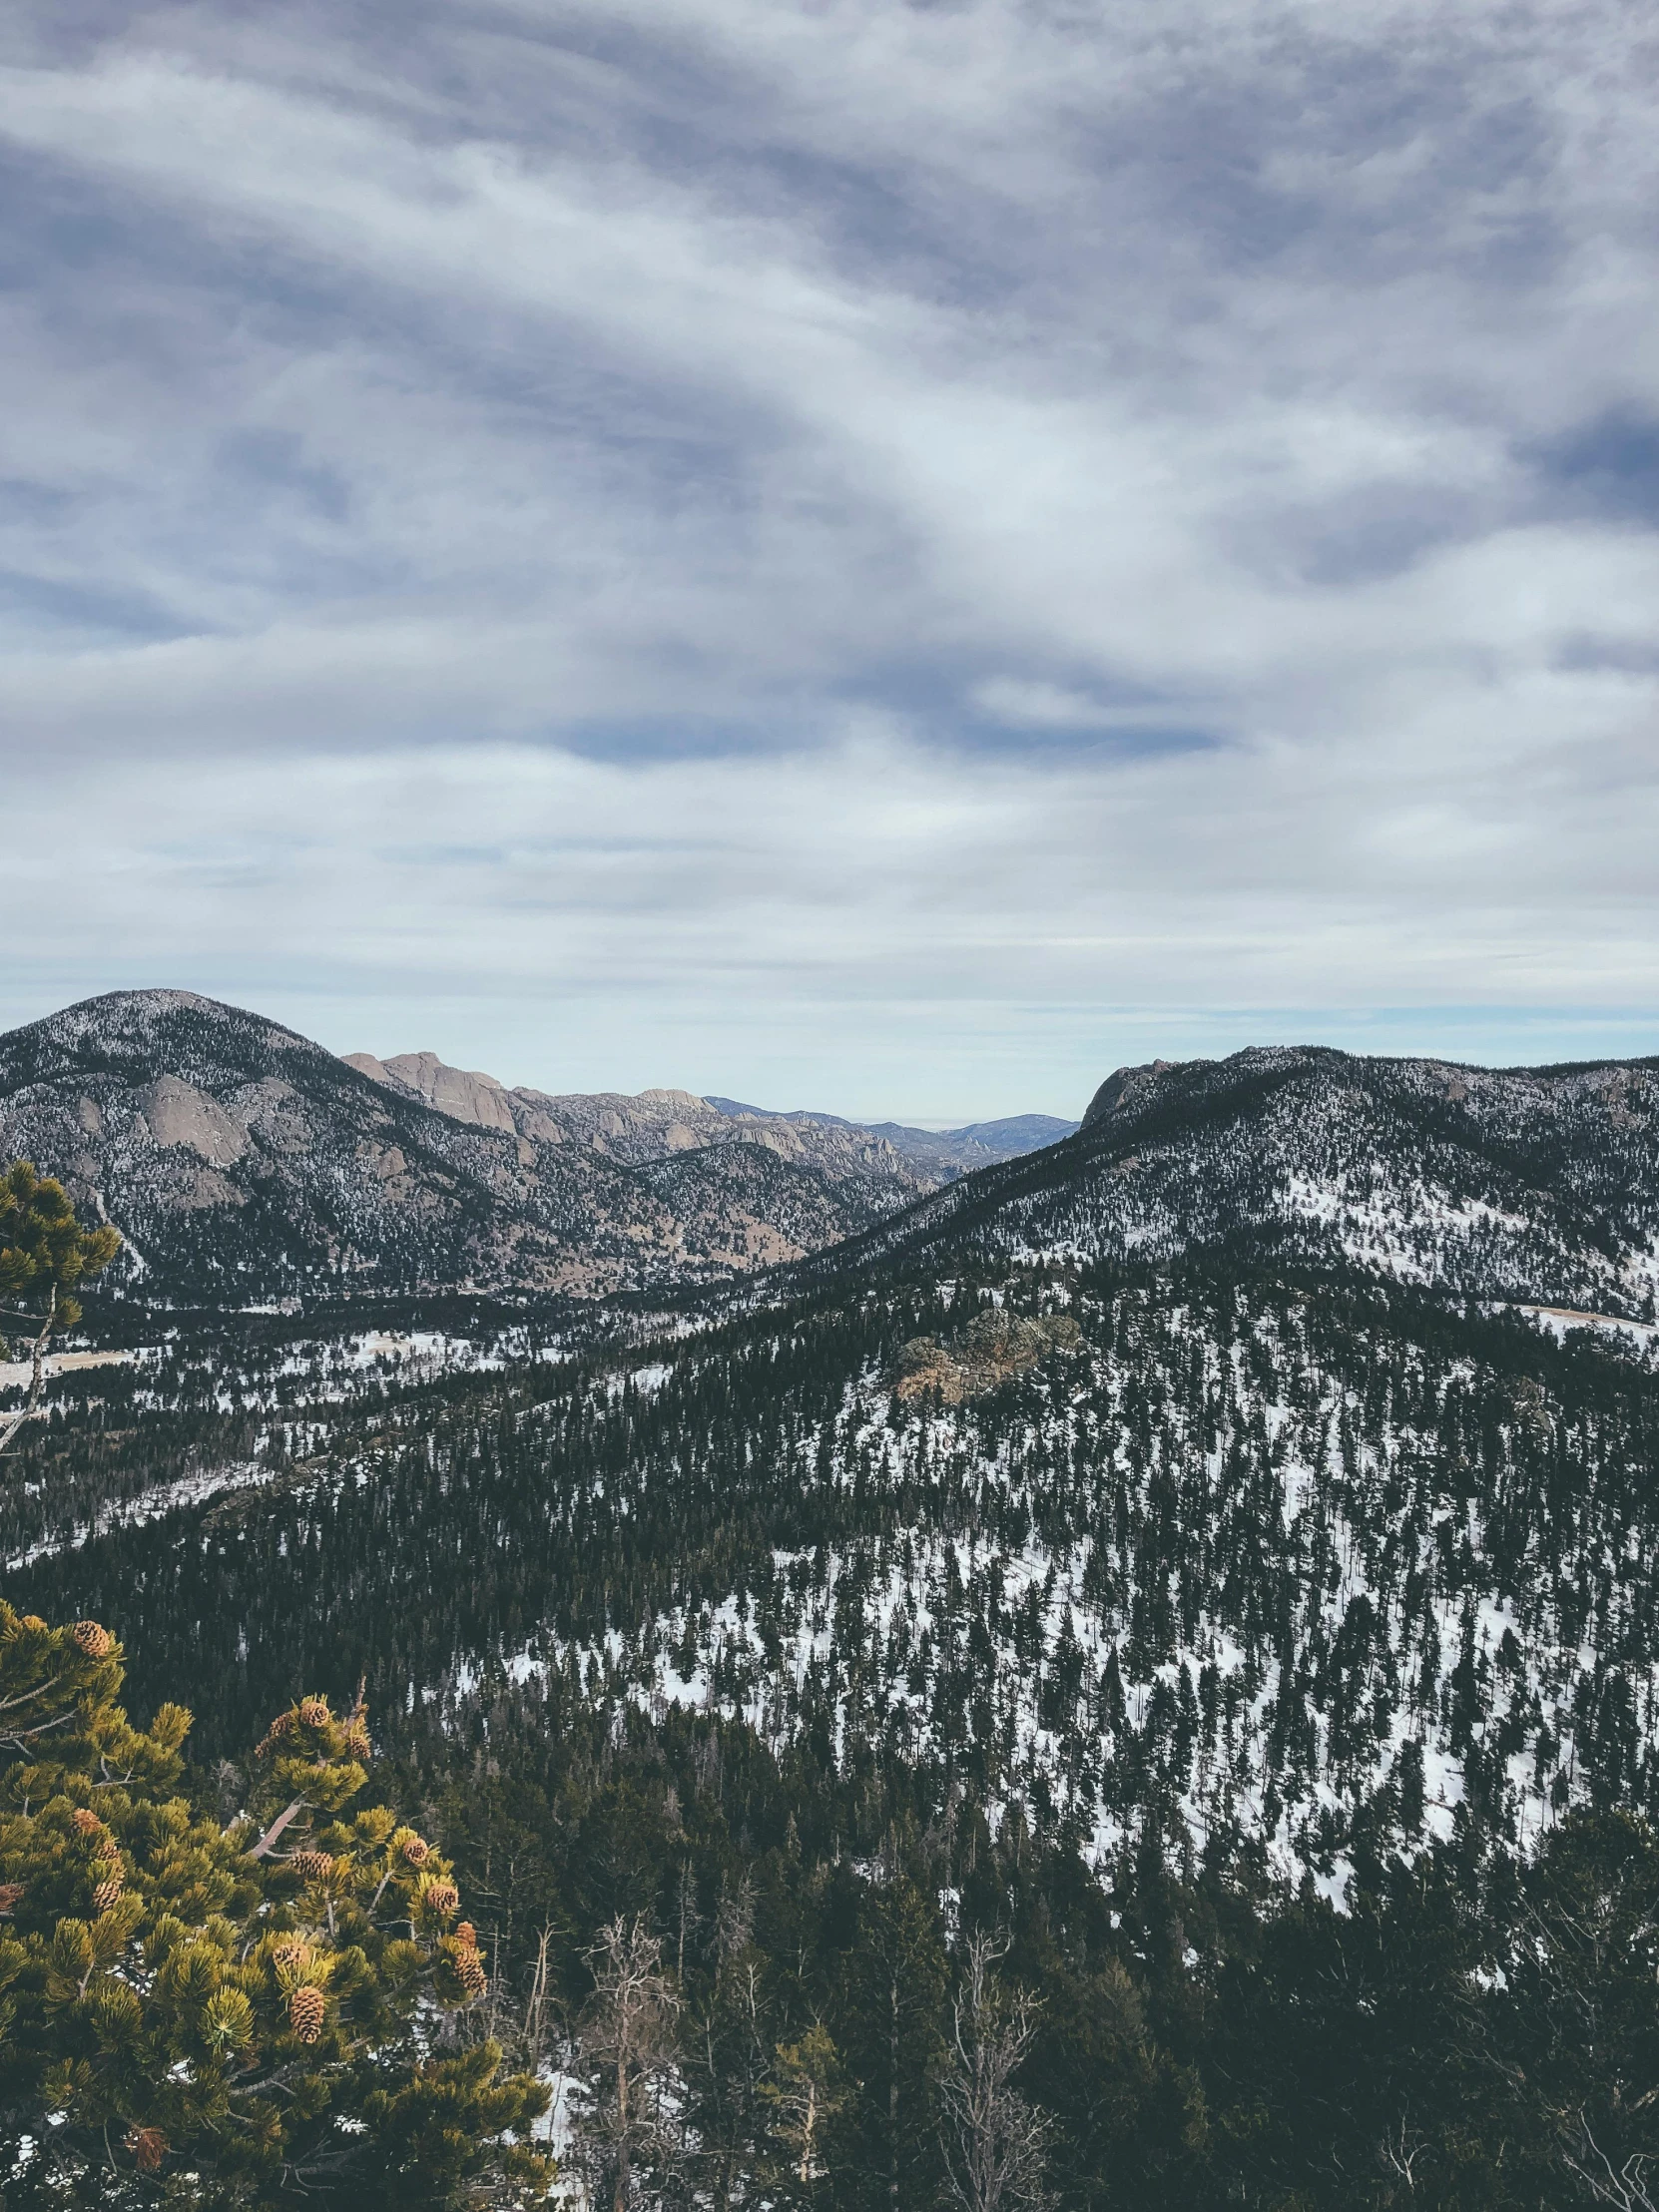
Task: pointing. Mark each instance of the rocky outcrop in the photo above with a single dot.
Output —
(992, 1351)
(457, 1092)
(177, 1114)
(864, 1169)
(1122, 1087)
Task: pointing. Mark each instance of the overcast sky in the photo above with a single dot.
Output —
(885, 557)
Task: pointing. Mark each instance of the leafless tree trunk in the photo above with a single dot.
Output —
(1401, 2150)
(808, 2125)
(627, 2046)
(535, 2009)
(12, 1423)
(1625, 2188)
(892, 2090)
(995, 2143)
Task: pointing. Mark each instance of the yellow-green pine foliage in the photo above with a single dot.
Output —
(43, 1247)
(202, 2014)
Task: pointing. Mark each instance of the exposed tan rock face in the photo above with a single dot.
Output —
(653, 1125)
(273, 1113)
(178, 1114)
(994, 1347)
(458, 1092)
(635, 1129)
(206, 1187)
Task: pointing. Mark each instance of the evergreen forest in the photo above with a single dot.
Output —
(1040, 1734)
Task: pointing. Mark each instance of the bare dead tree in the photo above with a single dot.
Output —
(1627, 2187)
(1582, 1942)
(627, 2050)
(1401, 2149)
(534, 2031)
(995, 2141)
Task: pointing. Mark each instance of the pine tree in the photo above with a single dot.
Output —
(219, 2014)
(45, 1255)
(805, 2092)
(890, 2034)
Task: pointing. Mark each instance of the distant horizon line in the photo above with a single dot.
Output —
(1111, 1061)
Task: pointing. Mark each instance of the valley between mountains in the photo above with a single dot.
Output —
(1256, 1485)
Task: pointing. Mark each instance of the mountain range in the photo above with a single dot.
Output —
(243, 1161)
(943, 1153)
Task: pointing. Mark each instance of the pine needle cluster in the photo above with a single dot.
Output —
(45, 1253)
(206, 2014)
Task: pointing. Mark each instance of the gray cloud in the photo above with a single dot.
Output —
(962, 534)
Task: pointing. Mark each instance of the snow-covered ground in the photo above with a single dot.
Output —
(148, 1505)
(896, 1634)
(15, 1374)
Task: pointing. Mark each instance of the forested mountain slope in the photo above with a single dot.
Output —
(1318, 1571)
(1185, 1619)
(1537, 1184)
(1271, 1533)
(243, 1161)
(1260, 1634)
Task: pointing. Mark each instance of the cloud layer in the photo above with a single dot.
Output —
(885, 554)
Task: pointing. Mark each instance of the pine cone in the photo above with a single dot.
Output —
(273, 1735)
(107, 1848)
(10, 1892)
(313, 1711)
(470, 1968)
(86, 1822)
(312, 1865)
(442, 1896)
(307, 2009)
(96, 1642)
(466, 1935)
(290, 1950)
(108, 1893)
(149, 2147)
(417, 1852)
(356, 1740)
